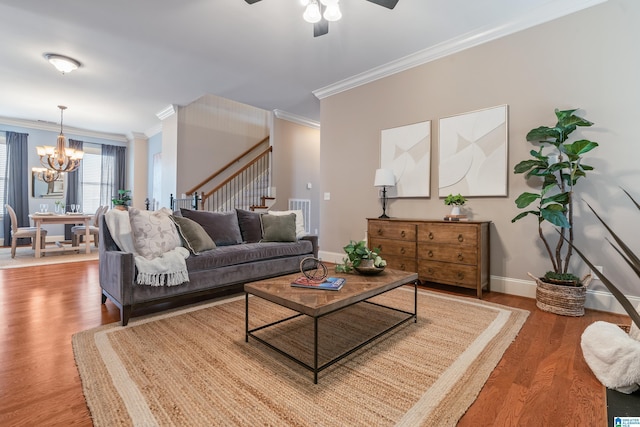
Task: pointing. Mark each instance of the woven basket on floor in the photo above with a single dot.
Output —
(560, 299)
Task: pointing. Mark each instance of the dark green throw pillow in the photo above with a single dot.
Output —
(278, 228)
(195, 237)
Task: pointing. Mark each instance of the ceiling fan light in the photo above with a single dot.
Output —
(332, 13)
(312, 13)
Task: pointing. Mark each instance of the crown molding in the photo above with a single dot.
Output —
(54, 127)
(296, 119)
(546, 13)
(154, 130)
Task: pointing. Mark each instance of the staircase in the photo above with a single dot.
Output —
(245, 187)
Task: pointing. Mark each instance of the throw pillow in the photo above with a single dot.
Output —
(153, 232)
(279, 228)
(193, 235)
(222, 227)
(300, 231)
(250, 225)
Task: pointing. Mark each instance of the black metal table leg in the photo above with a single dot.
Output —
(246, 317)
(315, 350)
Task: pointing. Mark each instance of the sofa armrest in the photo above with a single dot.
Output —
(314, 241)
(117, 269)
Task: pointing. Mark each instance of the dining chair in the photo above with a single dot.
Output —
(23, 232)
(79, 231)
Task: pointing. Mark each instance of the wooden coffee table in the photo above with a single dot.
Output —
(317, 303)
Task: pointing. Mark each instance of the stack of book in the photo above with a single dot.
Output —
(460, 217)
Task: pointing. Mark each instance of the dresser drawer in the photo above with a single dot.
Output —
(400, 263)
(460, 254)
(394, 247)
(391, 230)
(448, 233)
(448, 273)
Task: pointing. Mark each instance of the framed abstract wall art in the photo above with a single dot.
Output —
(407, 151)
(473, 153)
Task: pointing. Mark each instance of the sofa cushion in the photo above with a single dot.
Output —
(250, 225)
(153, 232)
(278, 228)
(223, 256)
(222, 227)
(194, 237)
(300, 231)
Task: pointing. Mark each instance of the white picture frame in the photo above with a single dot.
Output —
(407, 151)
(473, 153)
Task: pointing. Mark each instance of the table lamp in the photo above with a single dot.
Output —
(384, 178)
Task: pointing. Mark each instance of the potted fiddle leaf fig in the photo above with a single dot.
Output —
(555, 167)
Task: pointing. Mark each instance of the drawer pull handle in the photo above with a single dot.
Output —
(379, 231)
(460, 256)
(402, 251)
(430, 270)
(460, 238)
(460, 275)
(402, 233)
(430, 254)
(430, 235)
(402, 267)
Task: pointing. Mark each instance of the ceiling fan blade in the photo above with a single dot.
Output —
(320, 28)
(389, 4)
(252, 1)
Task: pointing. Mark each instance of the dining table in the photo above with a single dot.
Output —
(42, 218)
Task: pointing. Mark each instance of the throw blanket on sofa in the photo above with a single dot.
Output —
(168, 269)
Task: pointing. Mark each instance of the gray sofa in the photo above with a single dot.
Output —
(219, 271)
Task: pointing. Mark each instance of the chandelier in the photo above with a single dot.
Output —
(313, 14)
(59, 158)
(47, 175)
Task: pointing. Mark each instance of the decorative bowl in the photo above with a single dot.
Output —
(367, 268)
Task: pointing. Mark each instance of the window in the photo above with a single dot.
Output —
(91, 177)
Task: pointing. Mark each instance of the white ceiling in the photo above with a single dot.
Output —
(139, 56)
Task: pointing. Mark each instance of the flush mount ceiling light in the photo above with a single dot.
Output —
(64, 64)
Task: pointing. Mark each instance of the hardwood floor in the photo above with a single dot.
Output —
(541, 380)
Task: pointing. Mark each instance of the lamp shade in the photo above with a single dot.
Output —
(384, 178)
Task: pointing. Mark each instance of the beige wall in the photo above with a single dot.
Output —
(296, 163)
(587, 60)
(215, 130)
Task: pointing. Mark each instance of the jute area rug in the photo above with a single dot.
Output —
(192, 367)
(25, 257)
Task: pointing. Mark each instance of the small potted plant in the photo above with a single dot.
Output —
(455, 202)
(122, 201)
(361, 258)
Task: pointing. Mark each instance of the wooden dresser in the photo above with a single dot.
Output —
(452, 253)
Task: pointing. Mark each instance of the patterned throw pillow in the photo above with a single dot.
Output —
(153, 232)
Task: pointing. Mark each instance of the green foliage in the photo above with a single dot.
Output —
(457, 200)
(627, 254)
(356, 252)
(123, 199)
(557, 166)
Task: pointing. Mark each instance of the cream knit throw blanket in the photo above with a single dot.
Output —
(169, 269)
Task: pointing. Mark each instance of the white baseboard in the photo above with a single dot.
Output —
(596, 300)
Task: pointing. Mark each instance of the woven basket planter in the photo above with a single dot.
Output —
(561, 299)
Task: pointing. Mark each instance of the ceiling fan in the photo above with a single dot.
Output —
(321, 27)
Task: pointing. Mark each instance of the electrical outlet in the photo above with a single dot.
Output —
(327, 196)
(600, 269)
